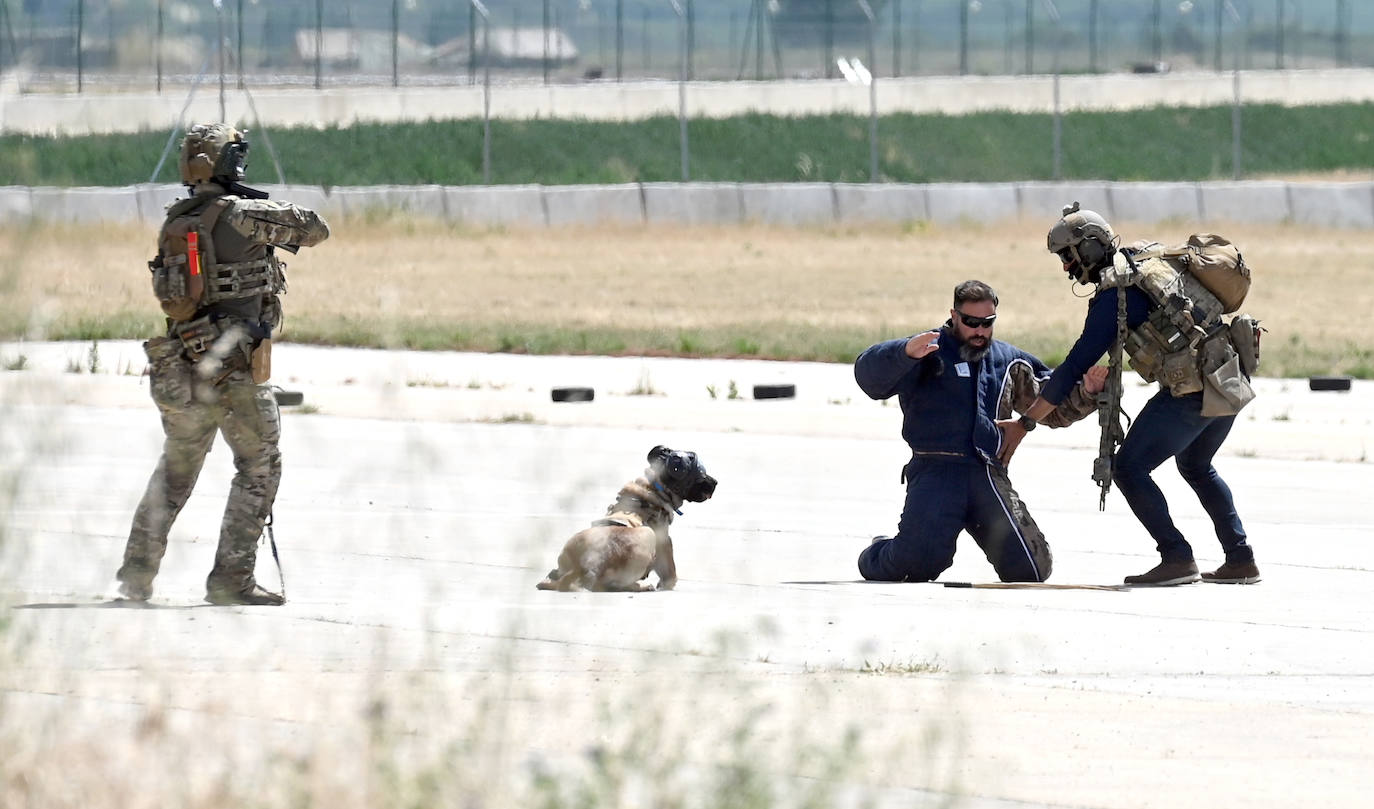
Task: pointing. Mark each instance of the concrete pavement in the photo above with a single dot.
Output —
(427, 493)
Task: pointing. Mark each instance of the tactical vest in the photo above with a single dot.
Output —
(1184, 343)
(187, 273)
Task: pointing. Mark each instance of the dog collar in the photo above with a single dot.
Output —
(658, 487)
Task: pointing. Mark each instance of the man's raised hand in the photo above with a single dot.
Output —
(923, 344)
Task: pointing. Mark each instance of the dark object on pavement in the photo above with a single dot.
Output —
(1328, 383)
(775, 391)
(573, 394)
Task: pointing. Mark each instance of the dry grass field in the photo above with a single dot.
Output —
(816, 293)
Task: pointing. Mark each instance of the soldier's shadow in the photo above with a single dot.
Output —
(114, 604)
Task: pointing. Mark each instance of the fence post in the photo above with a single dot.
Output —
(691, 38)
(319, 42)
(896, 37)
(239, 44)
(1030, 37)
(1093, 11)
(157, 45)
(486, 94)
(1342, 36)
(219, 51)
(1235, 91)
(1157, 32)
(830, 39)
(682, 87)
(80, 57)
(873, 92)
(1057, 138)
(963, 37)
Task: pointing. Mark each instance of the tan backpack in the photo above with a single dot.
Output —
(1216, 263)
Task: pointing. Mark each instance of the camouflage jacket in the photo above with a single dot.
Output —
(1023, 387)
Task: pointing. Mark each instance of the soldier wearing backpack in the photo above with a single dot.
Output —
(218, 278)
(1163, 307)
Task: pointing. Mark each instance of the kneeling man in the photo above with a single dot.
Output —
(958, 388)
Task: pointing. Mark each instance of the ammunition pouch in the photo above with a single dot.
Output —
(198, 336)
(1160, 350)
(219, 346)
(241, 279)
(1181, 375)
(1245, 336)
(1225, 388)
(172, 287)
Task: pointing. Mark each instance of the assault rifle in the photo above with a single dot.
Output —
(1109, 403)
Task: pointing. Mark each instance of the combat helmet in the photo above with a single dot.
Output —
(212, 152)
(1084, 242)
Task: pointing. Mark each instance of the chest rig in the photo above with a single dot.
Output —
(187, 273)
(1184, 317)
(1185, 344)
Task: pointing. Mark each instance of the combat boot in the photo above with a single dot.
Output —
(1166, 574)
(1234, 573)
(135, 591)
(253, 595)
(135, 582)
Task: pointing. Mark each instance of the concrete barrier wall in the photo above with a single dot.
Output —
(1323, 204)
(72, 114)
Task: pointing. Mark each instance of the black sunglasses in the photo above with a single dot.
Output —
(976, 322)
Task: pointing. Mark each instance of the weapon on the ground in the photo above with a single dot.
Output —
(1109, 404)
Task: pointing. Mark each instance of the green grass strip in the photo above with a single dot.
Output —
(1162, 144)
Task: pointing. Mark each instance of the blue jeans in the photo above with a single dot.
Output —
(1174, 427)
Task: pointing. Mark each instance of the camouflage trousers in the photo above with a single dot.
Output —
(193, 410)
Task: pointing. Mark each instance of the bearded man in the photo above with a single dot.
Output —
(958, 388)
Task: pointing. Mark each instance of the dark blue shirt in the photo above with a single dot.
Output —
(949, 406)
(1099, 331)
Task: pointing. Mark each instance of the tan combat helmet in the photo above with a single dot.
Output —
(1084, 242)
(212, 152)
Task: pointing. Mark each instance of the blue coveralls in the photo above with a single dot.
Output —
(954, 481)
(1167, 427)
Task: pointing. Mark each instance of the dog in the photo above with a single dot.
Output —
(619, 550)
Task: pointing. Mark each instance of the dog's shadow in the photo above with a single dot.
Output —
(113, 604)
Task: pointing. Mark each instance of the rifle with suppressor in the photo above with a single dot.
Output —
(1109, 402)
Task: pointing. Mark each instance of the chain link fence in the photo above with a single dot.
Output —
(92, 46)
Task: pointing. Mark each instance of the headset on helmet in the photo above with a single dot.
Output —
(1084, 242)
(213, 152)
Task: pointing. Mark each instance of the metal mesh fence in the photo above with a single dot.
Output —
(88, 45)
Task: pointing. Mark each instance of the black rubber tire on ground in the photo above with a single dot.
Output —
(775, 391)
(1328, 383)
(288, 398)
(573, 394)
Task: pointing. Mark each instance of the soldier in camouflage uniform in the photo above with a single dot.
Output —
(218, 279)
(1177, 421)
